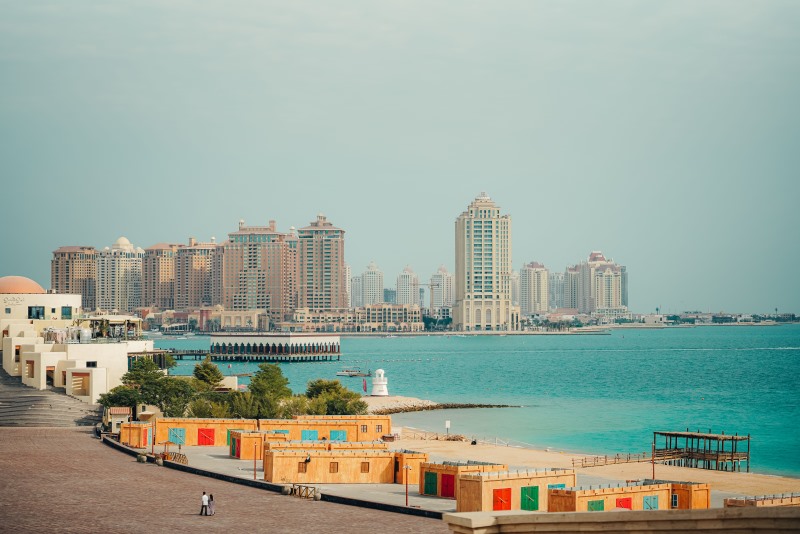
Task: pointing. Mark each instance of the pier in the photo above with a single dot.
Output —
(720, 452)
(252, 357)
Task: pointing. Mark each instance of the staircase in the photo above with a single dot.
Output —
(21, 405)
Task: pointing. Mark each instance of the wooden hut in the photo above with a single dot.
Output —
(440, 479)
(510, 490)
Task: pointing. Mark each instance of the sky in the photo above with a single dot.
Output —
(665, 134)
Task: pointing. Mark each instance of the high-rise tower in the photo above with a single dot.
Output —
(483, 269)
(73, 270)
(320, 272)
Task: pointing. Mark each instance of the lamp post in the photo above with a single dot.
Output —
(255, 456)
(405, 472)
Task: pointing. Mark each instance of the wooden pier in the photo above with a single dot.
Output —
(256, 358)
(720, 452)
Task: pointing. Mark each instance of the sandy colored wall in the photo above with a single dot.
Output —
(282, 466)
(414, 461)
(560, 501)
(219, 427)
(476, 493)
(134, 435)
(452, 470)
(692, 496)
(377, 426)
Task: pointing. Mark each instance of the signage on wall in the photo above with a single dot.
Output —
(13, 301)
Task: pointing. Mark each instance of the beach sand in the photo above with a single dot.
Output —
(746, 484)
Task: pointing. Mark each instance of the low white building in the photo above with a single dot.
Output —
(45, 341)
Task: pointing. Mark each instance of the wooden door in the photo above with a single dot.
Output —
(529, 498)
(448, 485)
(501, 499)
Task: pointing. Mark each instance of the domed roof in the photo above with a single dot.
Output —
(122, 241)
(20, 284)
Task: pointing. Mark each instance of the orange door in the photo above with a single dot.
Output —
(501, 499)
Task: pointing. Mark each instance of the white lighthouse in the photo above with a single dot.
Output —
(379, 384)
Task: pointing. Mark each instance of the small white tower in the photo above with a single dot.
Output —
(379, 384)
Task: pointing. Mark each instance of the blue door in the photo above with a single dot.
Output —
(651, 502)
(338, 435)
(308, 435)
(177, 436)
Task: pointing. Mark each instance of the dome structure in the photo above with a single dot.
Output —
(20, 285)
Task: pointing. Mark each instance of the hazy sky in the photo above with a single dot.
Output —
(666, 134)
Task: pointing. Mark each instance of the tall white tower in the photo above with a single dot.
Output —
(408, 287)
(372, 285)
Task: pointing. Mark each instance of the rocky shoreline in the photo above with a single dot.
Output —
(393, 405)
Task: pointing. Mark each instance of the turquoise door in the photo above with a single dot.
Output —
(338, 435)
(309, 435)
(177, 436)
(650, 502)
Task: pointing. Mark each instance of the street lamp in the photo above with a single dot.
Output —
(405, 473)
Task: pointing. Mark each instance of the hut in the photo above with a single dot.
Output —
(439, 479)
(510, 490)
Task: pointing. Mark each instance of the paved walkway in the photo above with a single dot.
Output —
(65, 480)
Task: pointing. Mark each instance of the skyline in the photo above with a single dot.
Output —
(661, 135)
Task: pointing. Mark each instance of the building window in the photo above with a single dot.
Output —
(35, 312)
(378, 428)
(91, 364)
(363, 428)
(66, 312)
(674, 500)
(8, 311)
(302, 467)
(52, 310)
(334, 467)
(365, 467)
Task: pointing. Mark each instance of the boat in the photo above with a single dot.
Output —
(353, 372)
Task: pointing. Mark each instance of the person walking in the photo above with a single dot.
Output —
(211, 504)
(204, 504)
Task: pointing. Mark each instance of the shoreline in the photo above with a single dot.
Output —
(558, 457)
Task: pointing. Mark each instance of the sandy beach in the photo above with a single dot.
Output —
(746, 484)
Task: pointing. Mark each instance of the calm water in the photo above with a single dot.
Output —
(597, 394)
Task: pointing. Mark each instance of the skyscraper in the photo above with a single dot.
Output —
(483, 269)
(371, 285)
(348, 274)
(357, 292)
(408, 287)
(193, 270)
(533, 284)
(119, 277)
(571, 275)
(321, 283)
(158, 276)
(587, 274)
(73, 270)
(441, 291)
(556, 290)
(258, 270)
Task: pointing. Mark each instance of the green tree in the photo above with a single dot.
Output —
(121, 396)
(209, 373)
(244, 405)
(172, 396)
(330, 397)
(295, 405)
(269, 381)
(204, 408)
(142, 370)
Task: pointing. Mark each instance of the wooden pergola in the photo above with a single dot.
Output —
(720, 452)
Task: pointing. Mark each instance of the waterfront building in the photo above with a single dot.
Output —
(408, 287)
(193, 271)
(333, 320)
(571, 288)
(356, 292)
(510, 490)
(441, 292)
(515, 289)
(158, 276)
(588, 297)
(321, 275)
(389, 296)
(555, 288)
(372, 285)
(384, 317)
(45, 341)
(483, 269)
(73, 269)
(119, 277)
(257, 270)
(534, 296)
(348, 275)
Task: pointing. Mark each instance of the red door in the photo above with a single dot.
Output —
(625, 502)
(238, 448)
(448, 486)
(205, 436)
(502, 499)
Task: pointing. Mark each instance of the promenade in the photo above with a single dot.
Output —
(66, 480)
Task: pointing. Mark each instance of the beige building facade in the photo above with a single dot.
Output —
(320, 271)
(483, 269)
(119, 277)
(193, 271)
(158, 276)
(73, 270)
(534, 291)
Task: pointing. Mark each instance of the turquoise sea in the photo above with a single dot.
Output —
(599, 394)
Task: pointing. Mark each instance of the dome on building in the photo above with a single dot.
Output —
(20, 284)
(122, 241)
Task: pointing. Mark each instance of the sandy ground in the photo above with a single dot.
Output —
(740, 483)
